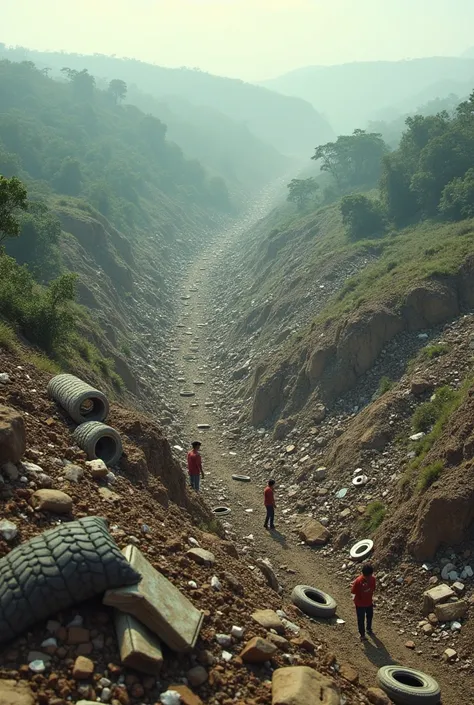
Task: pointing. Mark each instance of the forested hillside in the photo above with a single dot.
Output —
(289, 124)
(350, 95)
(109, 198)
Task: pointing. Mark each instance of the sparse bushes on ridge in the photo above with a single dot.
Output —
(362, 216)
(374, 515)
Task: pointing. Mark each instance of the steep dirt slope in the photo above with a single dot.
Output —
(230, 446)
(148, 505)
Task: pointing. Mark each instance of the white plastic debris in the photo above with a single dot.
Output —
(216, 583)
(37, 666)
(192, 584)
(8, 530)
(170, 697)
(193, 542)
(417, 436)
(340, 621)
(49, 642)
(249, 537)
(226, 655)
(4, 377)
(455, 626)
(77, 621)
(249, 511)
(237, 632)
(223, 639)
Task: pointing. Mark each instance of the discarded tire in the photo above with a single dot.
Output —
(221, 511)
(313, 602)
(81, 401)
(57, 569)
(361, 550)
(99, 441)
(360, 480)
(241, 478)
(406, 686)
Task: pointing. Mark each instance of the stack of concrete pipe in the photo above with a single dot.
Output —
(89, 408)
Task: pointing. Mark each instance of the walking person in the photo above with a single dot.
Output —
(195, 466)
(362, 590)
(269, 500)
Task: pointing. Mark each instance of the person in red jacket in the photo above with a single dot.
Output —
(269, 501)
(362, 590)
(195, 466)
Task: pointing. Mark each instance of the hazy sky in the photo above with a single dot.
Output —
(250, 39)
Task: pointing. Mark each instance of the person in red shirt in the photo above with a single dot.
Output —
(195, 466)
(362, 590)
(269, 501)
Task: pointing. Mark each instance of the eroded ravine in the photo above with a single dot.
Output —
(293, 562)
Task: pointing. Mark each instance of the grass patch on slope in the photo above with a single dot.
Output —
(374, 515)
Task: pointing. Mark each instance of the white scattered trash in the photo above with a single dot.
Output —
(340, 621)
(249, 511)
(4, 377)
(8, 530)
(237, 632)
(192, 584)
(193, 542)
(455, 626)
(170, 697)
(38, 666)
(215, 583)
(417, 436)
(360, 480)
(226, 655)
(249, 537)
(51, 642)
(223, 639)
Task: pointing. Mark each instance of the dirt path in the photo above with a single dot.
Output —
(302, 565)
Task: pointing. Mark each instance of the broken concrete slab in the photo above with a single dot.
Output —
(435, 596)
(140, 649)
(158, 604)
(302, 685)
(450, 611)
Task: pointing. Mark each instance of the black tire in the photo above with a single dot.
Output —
(99, 441)
(81, 401)
(406, 686)
(241, 478)
(314, 602)
(221, 511)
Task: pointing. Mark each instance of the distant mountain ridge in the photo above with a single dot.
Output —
(289, 124)
(352, 94)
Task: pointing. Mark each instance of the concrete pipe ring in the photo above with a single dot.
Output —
(99, 441)
(82, 402)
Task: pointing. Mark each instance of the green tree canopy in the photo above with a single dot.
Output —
(353, 160)
(13, 199)
(301, 191)
(117, 89)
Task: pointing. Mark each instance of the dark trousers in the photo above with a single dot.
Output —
(364, 613)
(195, 481)
(270, 517)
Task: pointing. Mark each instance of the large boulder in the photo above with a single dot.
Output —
(12, 435)
(314, 533)
(52, 501)
(13, 693)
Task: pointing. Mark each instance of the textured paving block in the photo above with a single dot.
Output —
(139, 647)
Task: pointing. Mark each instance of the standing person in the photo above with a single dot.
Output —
(362, 590)
(269, 501)
(195, 466)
